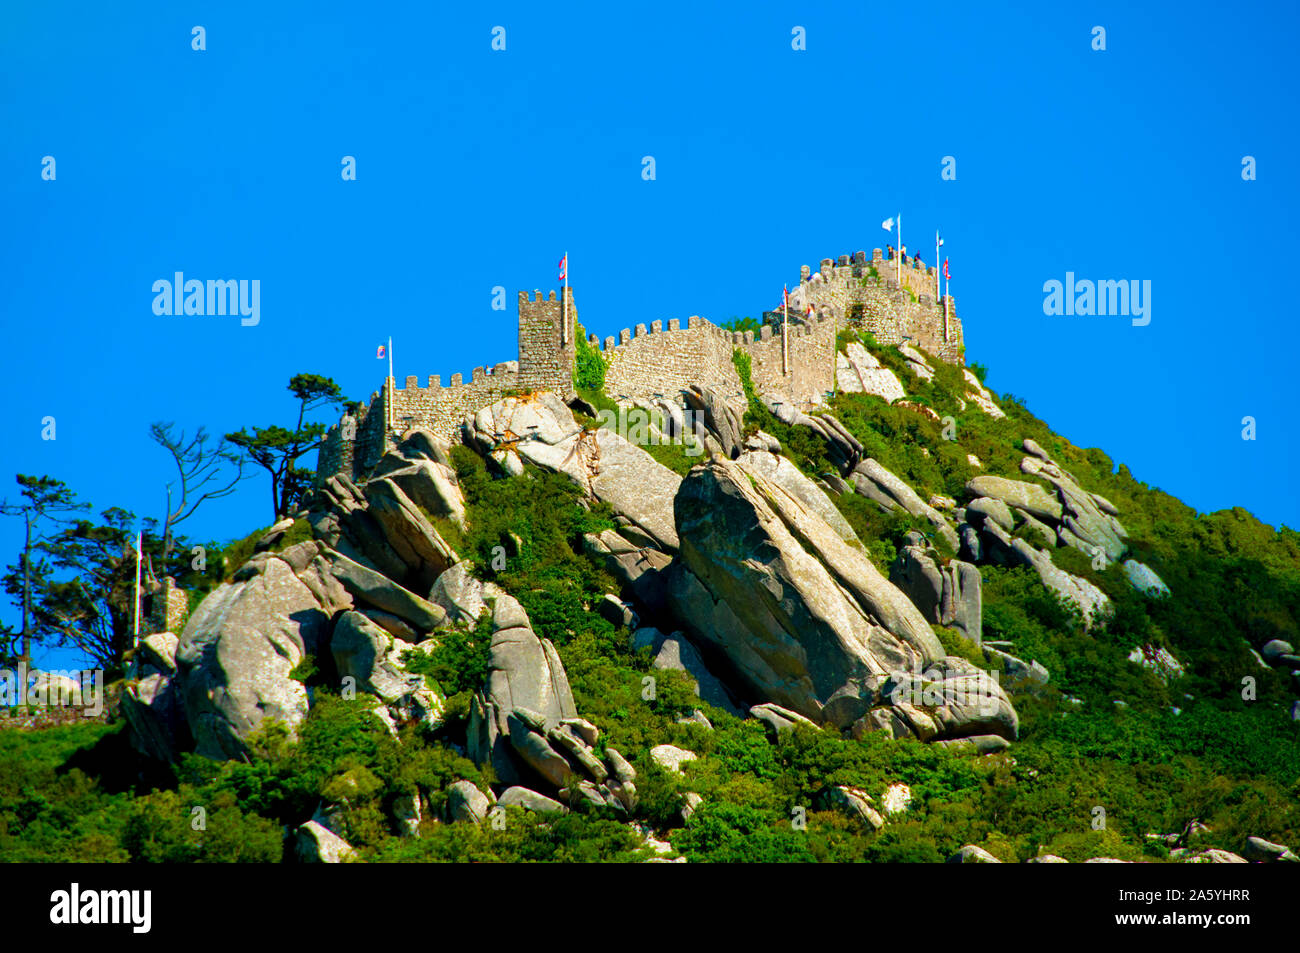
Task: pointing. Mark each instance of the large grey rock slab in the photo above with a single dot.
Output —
(459, 594)
(465, 802)
(1030, 497)
(803, 617)
(858, 372)
(947, 594)
(237, 651)
(676, 652)
(317, 844)
(1144, 579)
(783, 473)
(155, 712)
(410, 534)
(368, 654)
(541, 430)
(378, 590)
(525, 673)
(1090, 600)
(718, 417)
(902, 494)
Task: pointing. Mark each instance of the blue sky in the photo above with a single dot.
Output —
(478, 168)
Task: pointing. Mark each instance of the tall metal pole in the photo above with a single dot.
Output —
(898, 258)
(785, 331)
(388, 400)
(135, 623)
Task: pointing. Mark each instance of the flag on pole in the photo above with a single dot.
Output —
(564, 267)
(938, 242)
(380, 352)
(945, 270)
(887, 224)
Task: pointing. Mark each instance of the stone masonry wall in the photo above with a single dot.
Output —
(654, 361)
(546, 342)
(850, 293)
(657, 362)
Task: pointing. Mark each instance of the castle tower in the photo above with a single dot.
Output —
(546, 341)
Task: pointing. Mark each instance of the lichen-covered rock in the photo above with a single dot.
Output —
(948, 594)
(804, 618)
(237, 651)
(1030, 497)
(317, 844)
(525, 673)
(858, 372)
(541, 430)
(783, 473)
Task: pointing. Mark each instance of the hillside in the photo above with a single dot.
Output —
(909, 623)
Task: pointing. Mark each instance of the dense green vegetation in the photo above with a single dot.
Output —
(1104, 733)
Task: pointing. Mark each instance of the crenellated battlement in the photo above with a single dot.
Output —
(790, 355)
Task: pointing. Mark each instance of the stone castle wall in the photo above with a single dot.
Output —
(854, 296)
(657, 361)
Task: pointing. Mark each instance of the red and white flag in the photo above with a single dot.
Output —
(564, 267)
(945, 269)
(381, 352)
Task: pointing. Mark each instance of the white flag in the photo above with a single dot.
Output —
(887, 224)
(937, 240)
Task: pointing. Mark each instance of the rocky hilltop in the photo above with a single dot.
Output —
(819, 575)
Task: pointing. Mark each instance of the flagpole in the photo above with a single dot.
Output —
(564, 303)
(135, 622)
(937, 243)
(898, 258)
(785, 331)
(388, 404)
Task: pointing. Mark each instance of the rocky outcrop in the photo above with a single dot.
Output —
(875, 482)
(639, 568)
(525, 672)
(238, 649)
(843, 449)
(381, 592)
(778, 719)
(854, 803)
(671, 758)
(947, 594)
(540, 430)
(721, 420)
(972, 854)
(1017, 494)
(1144, 579)
(372, 657)
(676, 653)
(317, 844)
(467, 803)
(805, 619)
(917, 362)
(1090, 600)
(523, 721)
(979, 395)
(779, 470)
(857, 371)
(155, 712)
